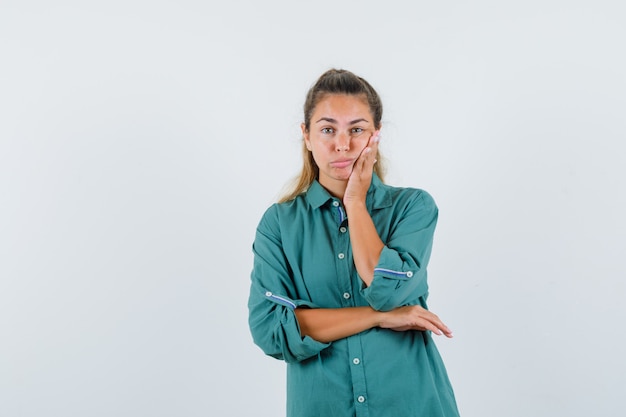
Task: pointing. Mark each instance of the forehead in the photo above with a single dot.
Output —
(343, 105)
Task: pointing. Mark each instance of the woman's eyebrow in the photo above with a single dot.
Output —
(331, 120)
(326, 119)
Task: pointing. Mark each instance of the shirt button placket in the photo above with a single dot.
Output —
(357, 374)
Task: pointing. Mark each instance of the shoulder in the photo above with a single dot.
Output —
(413, 207)
(409, 197)
(415, 194)
(280, 213)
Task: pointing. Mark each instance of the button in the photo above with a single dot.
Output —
(343, 229)
(336, 203)
(346, 295)
(361, 399)
(409, 274)
(341, 256)
(268, 294)
(356, 361)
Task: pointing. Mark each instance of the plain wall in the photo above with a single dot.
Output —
(140, 142)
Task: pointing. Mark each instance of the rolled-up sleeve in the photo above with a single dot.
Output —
(400, 277)
(272, 301)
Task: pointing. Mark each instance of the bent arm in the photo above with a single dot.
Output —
(329, 324)
(366, 244)
(400, 277)
(271, 303)
(364, 239)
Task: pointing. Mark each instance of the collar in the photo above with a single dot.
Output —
(378, 195)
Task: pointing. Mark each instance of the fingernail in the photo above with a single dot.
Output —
(377, 138)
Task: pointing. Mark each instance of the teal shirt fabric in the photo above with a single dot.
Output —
(303, 258)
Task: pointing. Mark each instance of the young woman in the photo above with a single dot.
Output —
(339, 281)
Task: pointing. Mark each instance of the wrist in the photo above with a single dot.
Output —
(378, 318)
(352, 204)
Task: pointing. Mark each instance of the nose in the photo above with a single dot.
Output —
(342, 143)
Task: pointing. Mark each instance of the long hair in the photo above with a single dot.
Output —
(333, 81)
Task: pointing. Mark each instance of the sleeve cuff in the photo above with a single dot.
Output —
(390, 273)
(295, 347)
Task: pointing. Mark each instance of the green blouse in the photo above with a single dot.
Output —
(303, 257)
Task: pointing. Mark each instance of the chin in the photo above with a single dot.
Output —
(344, 172)
(343, 176)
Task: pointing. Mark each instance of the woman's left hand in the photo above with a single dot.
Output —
(361, 176)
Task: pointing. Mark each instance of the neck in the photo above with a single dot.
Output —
(336, 188)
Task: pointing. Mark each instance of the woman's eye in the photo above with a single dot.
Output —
(327, 130)
(357, 130)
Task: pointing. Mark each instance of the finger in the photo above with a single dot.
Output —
(445, 330)
(375, 138)
(364, 161)
(372, 145)
(374, 142)
(359, 165)
(431, 326)
(366, 150)
(433, 321)
(368, 155)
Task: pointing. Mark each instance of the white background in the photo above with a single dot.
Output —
(141, 141)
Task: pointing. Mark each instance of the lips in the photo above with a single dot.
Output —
(342, 163)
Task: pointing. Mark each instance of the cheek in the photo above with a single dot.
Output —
(361, 142)
(321, 146)
(317, 151)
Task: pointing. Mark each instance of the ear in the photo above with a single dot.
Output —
(305, 136)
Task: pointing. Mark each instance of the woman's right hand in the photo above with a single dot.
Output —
(413, 318)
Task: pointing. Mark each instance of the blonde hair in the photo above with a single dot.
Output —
(333, 81)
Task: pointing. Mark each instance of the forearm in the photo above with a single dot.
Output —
(330, 324)
(366, 244)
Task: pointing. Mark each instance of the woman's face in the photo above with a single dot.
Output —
(340, 128)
